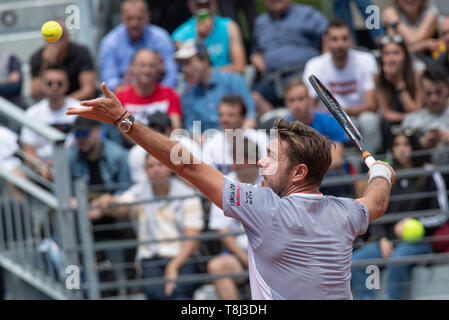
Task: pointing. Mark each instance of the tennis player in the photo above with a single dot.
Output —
(299, 241)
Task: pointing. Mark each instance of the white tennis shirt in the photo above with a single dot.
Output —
(299, 246)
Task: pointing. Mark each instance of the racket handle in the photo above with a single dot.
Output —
(369, 159)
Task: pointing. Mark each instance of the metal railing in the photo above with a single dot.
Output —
(38, 224)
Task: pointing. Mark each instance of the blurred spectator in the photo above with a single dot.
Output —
(161, 220)
(432, 121)
(146, 95)
(342, 10)
(415, 21)
(161, 123)
(10, 85)
(398, 89)
(349, 76)
(441, 245)
(387, 236)
(103, 166)
(443, 59)
(10, 78)
(234, 257)
(75, 58)
(9, 142)
(218, 149)
(284, 39)
(300, 104)
(168, 14)
(98, 161)
(231, 8)
(51, 110)
(119, 46)
(222, 36)
(200, 102)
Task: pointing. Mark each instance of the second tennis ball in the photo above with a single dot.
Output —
(413, 230)
(51, 31)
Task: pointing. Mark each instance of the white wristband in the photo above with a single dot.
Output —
(380, 171)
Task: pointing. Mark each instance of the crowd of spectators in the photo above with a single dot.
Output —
(171, 75)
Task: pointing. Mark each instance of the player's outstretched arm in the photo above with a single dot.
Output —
(109, 109)
(377, 194)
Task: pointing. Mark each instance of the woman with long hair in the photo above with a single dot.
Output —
(385, 240)
(397, 85)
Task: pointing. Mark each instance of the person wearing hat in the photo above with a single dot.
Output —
(221, 35)
(200, 102)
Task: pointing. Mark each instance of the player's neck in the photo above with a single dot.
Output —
(301, 188)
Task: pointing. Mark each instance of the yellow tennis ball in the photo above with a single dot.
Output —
(413, 231)
(51, 31)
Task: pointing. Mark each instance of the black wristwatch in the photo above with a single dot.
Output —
(125, 125)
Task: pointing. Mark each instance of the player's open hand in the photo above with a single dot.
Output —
(107, 109)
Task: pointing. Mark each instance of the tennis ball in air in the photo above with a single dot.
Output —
(413, 230)
(51, 31)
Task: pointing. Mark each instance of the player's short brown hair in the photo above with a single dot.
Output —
(307, 146)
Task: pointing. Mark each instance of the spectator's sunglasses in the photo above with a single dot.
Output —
(391, 39)
(50, 83)
(82, 133)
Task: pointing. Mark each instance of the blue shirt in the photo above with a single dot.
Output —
(113, 165)
(290, 40)
(201, 104)
(325, 124)
(117, 51)
(217, 42)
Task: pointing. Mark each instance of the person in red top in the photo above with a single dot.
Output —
(146, 95)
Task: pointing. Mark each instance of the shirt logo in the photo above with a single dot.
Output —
(238, 196)
(362, 209)
(343, 88)
(232, 194)
(249, 197)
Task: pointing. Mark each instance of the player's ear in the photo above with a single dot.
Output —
(299, 173)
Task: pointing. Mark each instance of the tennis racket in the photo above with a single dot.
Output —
(341, 116)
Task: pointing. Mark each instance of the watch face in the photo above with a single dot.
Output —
(124, 126)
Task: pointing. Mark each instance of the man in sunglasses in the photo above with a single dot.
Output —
(49, 111)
